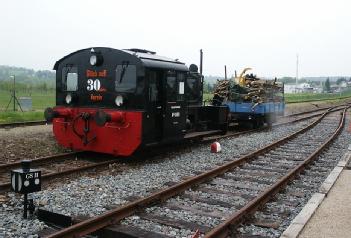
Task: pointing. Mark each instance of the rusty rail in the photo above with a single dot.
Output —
(223, 230)
(308, 117)
(115, 215)
(40, 160)
(24, 123)
(306, 112)
(46, 177)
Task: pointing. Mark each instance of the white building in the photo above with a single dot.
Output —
(300, 88)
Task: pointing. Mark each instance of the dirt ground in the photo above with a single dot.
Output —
(27, 143)
(305, 106)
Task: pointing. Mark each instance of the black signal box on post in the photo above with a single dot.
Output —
(26, 180)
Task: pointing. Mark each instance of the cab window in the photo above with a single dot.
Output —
(125, 78)
(69, 78)
(172, 87)
(192, 87)
(153, 87)
(181, 89)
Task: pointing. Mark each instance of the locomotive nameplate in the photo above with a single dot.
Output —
(94, 73)
(95, 98)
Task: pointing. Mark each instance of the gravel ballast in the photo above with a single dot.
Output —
(305, 186)
(88, 196)
(300, 147)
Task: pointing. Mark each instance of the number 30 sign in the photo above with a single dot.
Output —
(93, 85)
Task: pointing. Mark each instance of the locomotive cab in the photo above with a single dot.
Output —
(115, 101)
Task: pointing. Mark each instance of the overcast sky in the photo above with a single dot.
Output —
(263, 34)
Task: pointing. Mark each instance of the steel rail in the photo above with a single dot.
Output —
(40, 160)
(309, 117)
(312, 111)
(115, 215)
(24, 123)
(46, 177)
(63, 156)
(224, 229)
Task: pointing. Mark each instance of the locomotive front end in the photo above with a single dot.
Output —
(98, 105)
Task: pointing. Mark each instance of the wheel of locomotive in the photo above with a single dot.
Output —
(259, 122)
(249, 125)
(268, 120)
(224, 128)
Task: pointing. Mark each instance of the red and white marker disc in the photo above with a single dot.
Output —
(215, 147)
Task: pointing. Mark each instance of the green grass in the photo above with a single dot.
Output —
(40, 101)
(9, 117)
(207, 96)
(308, 97)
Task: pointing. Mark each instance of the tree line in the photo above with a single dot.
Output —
(27, 80)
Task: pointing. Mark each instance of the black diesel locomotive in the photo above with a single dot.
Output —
(117, 101)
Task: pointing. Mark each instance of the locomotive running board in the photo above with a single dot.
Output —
(201, 133)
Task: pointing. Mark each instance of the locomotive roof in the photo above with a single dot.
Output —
(148, 58)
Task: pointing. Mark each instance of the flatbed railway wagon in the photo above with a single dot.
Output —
(255, 115)
(252, 102)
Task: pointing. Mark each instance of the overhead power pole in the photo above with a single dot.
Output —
(297, 72)
(14, 93)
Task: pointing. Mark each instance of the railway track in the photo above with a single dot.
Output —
(311, 111)
(56, 166)
(305, 115)
(25, 123)
(274, 217)
(214, 202)
(62, 164)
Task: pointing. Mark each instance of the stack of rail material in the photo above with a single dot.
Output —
(249, 89)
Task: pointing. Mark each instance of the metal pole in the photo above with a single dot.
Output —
(225, 72)
(201, 61)
(25, 203)
(14, 93)
(297, 72)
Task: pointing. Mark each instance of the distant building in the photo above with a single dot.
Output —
(288, 88)
(300, 88)
(304, 88)
(344, 84)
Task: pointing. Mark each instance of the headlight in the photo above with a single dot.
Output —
(68, 98)
(93, 59)
(119, 100)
